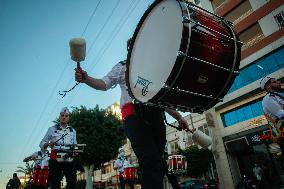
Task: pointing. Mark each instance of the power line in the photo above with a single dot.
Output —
(91, 17)
(54, 88)
(108, 19)
(110, 40)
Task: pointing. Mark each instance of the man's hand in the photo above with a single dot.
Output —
(183, 124)
(51, 144)
(80, 75)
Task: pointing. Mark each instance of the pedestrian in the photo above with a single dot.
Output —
(14, 183)
(171, 177)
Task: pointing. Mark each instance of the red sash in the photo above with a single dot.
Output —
(127, 110)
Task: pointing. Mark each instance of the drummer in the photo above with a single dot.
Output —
(273, 105)
(144, 125)
(171, 177)
(120, 164)
(40, 159)
(56, 137)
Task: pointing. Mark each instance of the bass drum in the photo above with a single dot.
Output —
(182, 57)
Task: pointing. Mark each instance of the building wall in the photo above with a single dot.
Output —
(272, 39)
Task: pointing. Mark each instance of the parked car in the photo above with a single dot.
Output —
(198, 184)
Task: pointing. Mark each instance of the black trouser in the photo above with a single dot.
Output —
(280, 142)
(122, 183)
(38, 187)
(147, 134)
(58, 170)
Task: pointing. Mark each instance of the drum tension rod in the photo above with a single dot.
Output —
(193, 93)
(181, 54)
(187, 20)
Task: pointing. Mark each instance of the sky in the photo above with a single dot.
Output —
(35, 64)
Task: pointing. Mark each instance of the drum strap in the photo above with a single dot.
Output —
(276, 94)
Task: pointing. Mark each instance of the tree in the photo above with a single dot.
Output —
(27, 170)
(102, 132)
(198, 160)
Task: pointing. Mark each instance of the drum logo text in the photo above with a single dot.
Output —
(145, 83)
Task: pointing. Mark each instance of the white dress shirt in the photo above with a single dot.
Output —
(117, 76)
(120, 164)
(273, 106)
(54, 134)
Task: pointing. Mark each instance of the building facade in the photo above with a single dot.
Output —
(239, 129)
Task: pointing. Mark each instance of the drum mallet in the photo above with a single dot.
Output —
(198, 137)
(78, 54)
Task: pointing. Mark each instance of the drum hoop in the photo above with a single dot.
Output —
(176, 65)
(133, 38)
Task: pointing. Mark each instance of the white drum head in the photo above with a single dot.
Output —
(155, 50)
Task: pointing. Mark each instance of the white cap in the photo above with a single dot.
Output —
(263, 81)
(64, 109)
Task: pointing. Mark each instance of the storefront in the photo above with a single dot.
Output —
(255, 147)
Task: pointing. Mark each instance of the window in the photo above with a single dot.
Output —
(243, 113)
(280, 19)
(251, 36)
(240, 12)
(253, 72)
(174, 147)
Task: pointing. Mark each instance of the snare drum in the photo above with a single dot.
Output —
(177, 164)
(36, 175)
(182, 57)
(130, 173)
(40, 173)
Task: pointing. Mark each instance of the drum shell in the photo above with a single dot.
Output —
(36, 175)
(216, 51)
(177, 164)
(44, 176)
(130, 173)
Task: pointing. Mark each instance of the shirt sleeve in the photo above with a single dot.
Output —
(34, 155)
(117, 164)
(275, 108)
(46, 138)
(113, 77)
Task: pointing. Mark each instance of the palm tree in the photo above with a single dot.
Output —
(27, 170)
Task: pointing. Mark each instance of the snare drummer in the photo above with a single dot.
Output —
(273, 105)
(171, 177)
(120, 163)
(56, 138)
(144, 125)
(40, 159)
